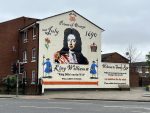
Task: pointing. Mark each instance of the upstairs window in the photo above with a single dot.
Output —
(24, 74)
(25, 36)
(33, 54)
(34, 32)
(25, 56)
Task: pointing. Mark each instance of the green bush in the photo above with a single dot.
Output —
(148, 88)
(10, 81)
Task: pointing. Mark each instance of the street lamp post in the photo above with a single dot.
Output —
(17, 75)
(129, 57)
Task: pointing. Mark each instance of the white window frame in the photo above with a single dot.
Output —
(139, 69)
(25, 56)
(25, 36)
(33, 77)
(34, 32)
(33, 54)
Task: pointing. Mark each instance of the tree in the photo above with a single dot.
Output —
(132, 53)
(148, 59)
(148, 63)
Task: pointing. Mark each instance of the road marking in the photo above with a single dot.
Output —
(70, 103)
(116, 106)
(136, 111)
(130, 107)
(139, 112)
(45, 107)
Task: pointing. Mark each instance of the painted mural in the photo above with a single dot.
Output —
(70, 55)
(69, 52)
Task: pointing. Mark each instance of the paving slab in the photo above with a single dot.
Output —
(135, 94)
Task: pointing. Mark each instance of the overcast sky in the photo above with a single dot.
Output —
(126, 22)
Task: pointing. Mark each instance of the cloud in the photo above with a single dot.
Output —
(125, 21)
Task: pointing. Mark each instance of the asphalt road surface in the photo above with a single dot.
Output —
(71, 106)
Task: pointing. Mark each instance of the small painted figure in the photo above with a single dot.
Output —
(48, 68)
(93, 70)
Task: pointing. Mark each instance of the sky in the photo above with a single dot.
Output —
(126, 22)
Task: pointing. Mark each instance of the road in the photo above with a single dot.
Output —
(71, 106)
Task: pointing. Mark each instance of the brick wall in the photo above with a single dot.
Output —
(28, 46)
(9, 35)
(134, 78)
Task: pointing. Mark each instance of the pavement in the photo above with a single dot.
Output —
(135, 94)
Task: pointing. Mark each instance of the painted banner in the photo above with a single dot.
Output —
(114, 74)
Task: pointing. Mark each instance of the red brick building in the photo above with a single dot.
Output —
(143, 71)
(28, 54)
(9, 43)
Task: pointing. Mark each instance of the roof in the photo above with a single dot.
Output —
(28, 26)
(104, 56)
(139, 64)
(77, 14)
(16, 19)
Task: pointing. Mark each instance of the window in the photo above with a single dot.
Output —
(34, 32)
(139, 69)
(33, 55)
(24, 74)
(146, 70)
(25, 36)
(33, 77)
(25, 56)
